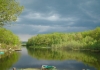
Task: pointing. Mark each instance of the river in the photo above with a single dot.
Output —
(61, 59)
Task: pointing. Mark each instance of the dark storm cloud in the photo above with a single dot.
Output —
(87, 11)
(45, 16)
(63, 7)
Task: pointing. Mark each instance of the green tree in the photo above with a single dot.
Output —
(9, 10)
(8, 38)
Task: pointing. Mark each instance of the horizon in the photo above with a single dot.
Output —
(41, 17)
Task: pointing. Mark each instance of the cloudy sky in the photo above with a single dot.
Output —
(47, 16)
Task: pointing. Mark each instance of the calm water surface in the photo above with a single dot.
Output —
(62, 59)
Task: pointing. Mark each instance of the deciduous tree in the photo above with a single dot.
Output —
(9, 11)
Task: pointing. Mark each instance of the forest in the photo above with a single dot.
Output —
(8, 39)
(86, 40)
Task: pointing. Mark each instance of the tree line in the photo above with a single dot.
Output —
(76, 40)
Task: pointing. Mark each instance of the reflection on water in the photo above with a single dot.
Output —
(87, 58)
(62, 59)
(8, 59)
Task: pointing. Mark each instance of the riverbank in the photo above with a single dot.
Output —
(31, 69)
(5, 50)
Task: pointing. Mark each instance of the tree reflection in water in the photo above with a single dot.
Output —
(8, 59)
(88, 58)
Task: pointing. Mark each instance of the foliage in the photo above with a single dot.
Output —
(8, 59)
(8, 38)
(9, 10)
(80, 40)
(89, 58)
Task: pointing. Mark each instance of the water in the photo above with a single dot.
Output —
(62, 59)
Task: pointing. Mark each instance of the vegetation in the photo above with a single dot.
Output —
(8, 39)
(80, 40)
(30, 69)
(88, 58)
(9, 10)
(8, 59)
(23, 43)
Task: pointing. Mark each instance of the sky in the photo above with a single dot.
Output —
(48, 16)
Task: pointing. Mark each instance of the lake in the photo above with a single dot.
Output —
(61, 59)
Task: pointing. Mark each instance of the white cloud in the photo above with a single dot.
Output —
(49, 17)
(53, 17)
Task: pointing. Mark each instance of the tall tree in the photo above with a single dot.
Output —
(9, 11)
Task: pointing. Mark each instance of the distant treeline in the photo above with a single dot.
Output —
(8, 39)
(23, 43)
(87, 40)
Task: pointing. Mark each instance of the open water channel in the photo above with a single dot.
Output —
(61, 59)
